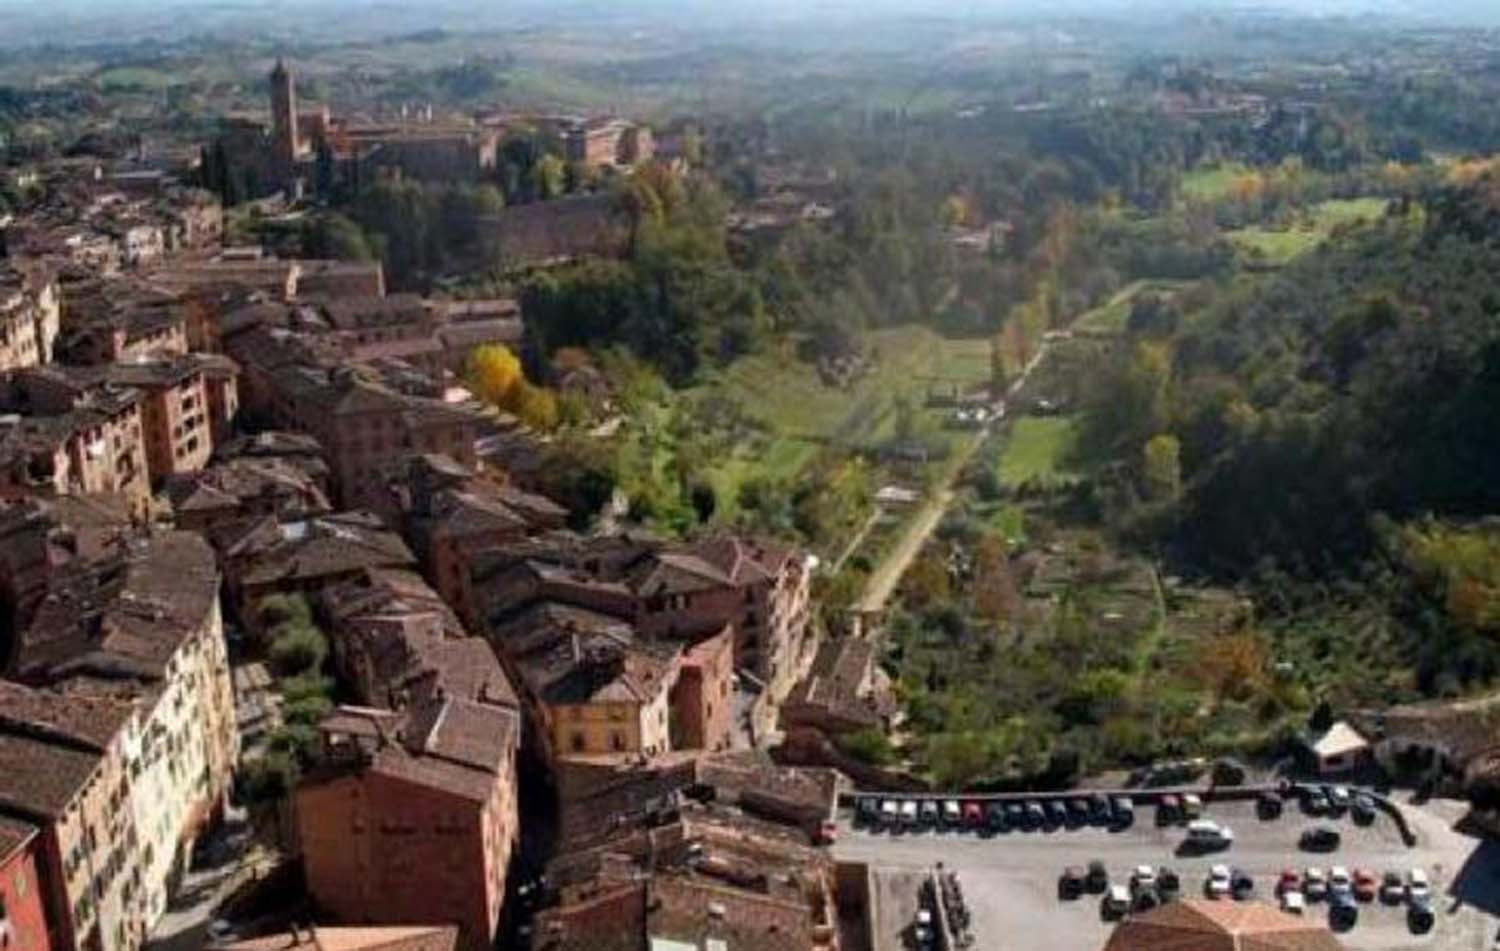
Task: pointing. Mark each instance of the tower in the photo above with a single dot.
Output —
(285, 141)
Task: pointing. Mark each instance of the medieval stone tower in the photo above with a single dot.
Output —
(285, 144)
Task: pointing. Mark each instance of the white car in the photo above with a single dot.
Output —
(1314, 884)
(1418, 885)
(1293, 902)
(922, 931)
(1144, 876)
(1339, 881)
(1217, 885)
(1116, 902)
(1208, 834)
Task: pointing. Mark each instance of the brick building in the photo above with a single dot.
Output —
(245, 487)
(363, 425)
(39, 538)
(69, 439)
(365, 938)
(450, 514)
(424, 795)
(23, 913)
(703, 698)
(186, 400)
(265, 556)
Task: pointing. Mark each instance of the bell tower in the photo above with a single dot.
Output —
(284, 138)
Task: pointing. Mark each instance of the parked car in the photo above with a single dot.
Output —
(1363, 809)
(1204, 834)
(1340, 882)
(1015, 815)
(1098, 877)
(1168, 884)
(1192, 806)
(922, 932)
(973, 814)
(1315, 884)
(1122, 812)
(1268, 805)
(1392, 888)
(890, 813)
(1319, 839)
(1071, 883)
(1343, 913)
(994, 816)
(1078, 811)
(867, 811)
(1420, 919)
(1036, 816)
(1057, 812)
(1366, 884)
(909, 813)
(928, 812)
(1099, 811)
(1229, 772)
(1217, 883)
(1293, 902)
(1241, 885)
(1339, 799)
(1315, 802)
(1418, 886)
(952, 812)
(1168, 810)
(827, 832)
(1290, 881)
(1144, 900)
(1115, 903)
(1142, 876)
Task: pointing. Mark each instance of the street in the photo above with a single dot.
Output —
(1010, 879)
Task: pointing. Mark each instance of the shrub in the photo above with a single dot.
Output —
(868, 746)
(298, 649)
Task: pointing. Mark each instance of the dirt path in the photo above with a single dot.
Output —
(887, 575)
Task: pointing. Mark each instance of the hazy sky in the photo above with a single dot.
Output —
(131, 19)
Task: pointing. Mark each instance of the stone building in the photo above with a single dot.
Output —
(64, 768)
(58, 437)
(142, 627)
(30, 317)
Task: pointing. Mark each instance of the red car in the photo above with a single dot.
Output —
(1366, 884)
(828, 832)
(1290, 881)
(973, 814)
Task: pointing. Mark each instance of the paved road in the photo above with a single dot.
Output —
(1010, 879)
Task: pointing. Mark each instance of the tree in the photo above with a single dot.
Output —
(1161, 468)
(926, 581)
(549, 178)
(336, 236)
(496, 374)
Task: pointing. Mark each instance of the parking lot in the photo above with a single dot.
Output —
(1011, 878)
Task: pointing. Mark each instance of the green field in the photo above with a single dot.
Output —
(1110, 317)
(1278, 247)
(1037, 450)
(802, 415)
(1211, 183)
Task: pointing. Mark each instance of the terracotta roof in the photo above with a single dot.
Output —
(1201, 925)
(38, 779)
(319, 547)
(126, 615)
(367, 938)
(15, 834)
(84, 721)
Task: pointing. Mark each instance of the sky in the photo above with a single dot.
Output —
(95, 20)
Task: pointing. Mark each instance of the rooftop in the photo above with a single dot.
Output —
(126, 615)
(367, 938)
(1201, 925)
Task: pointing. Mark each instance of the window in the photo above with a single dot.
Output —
(577, 742)
(617, 741)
